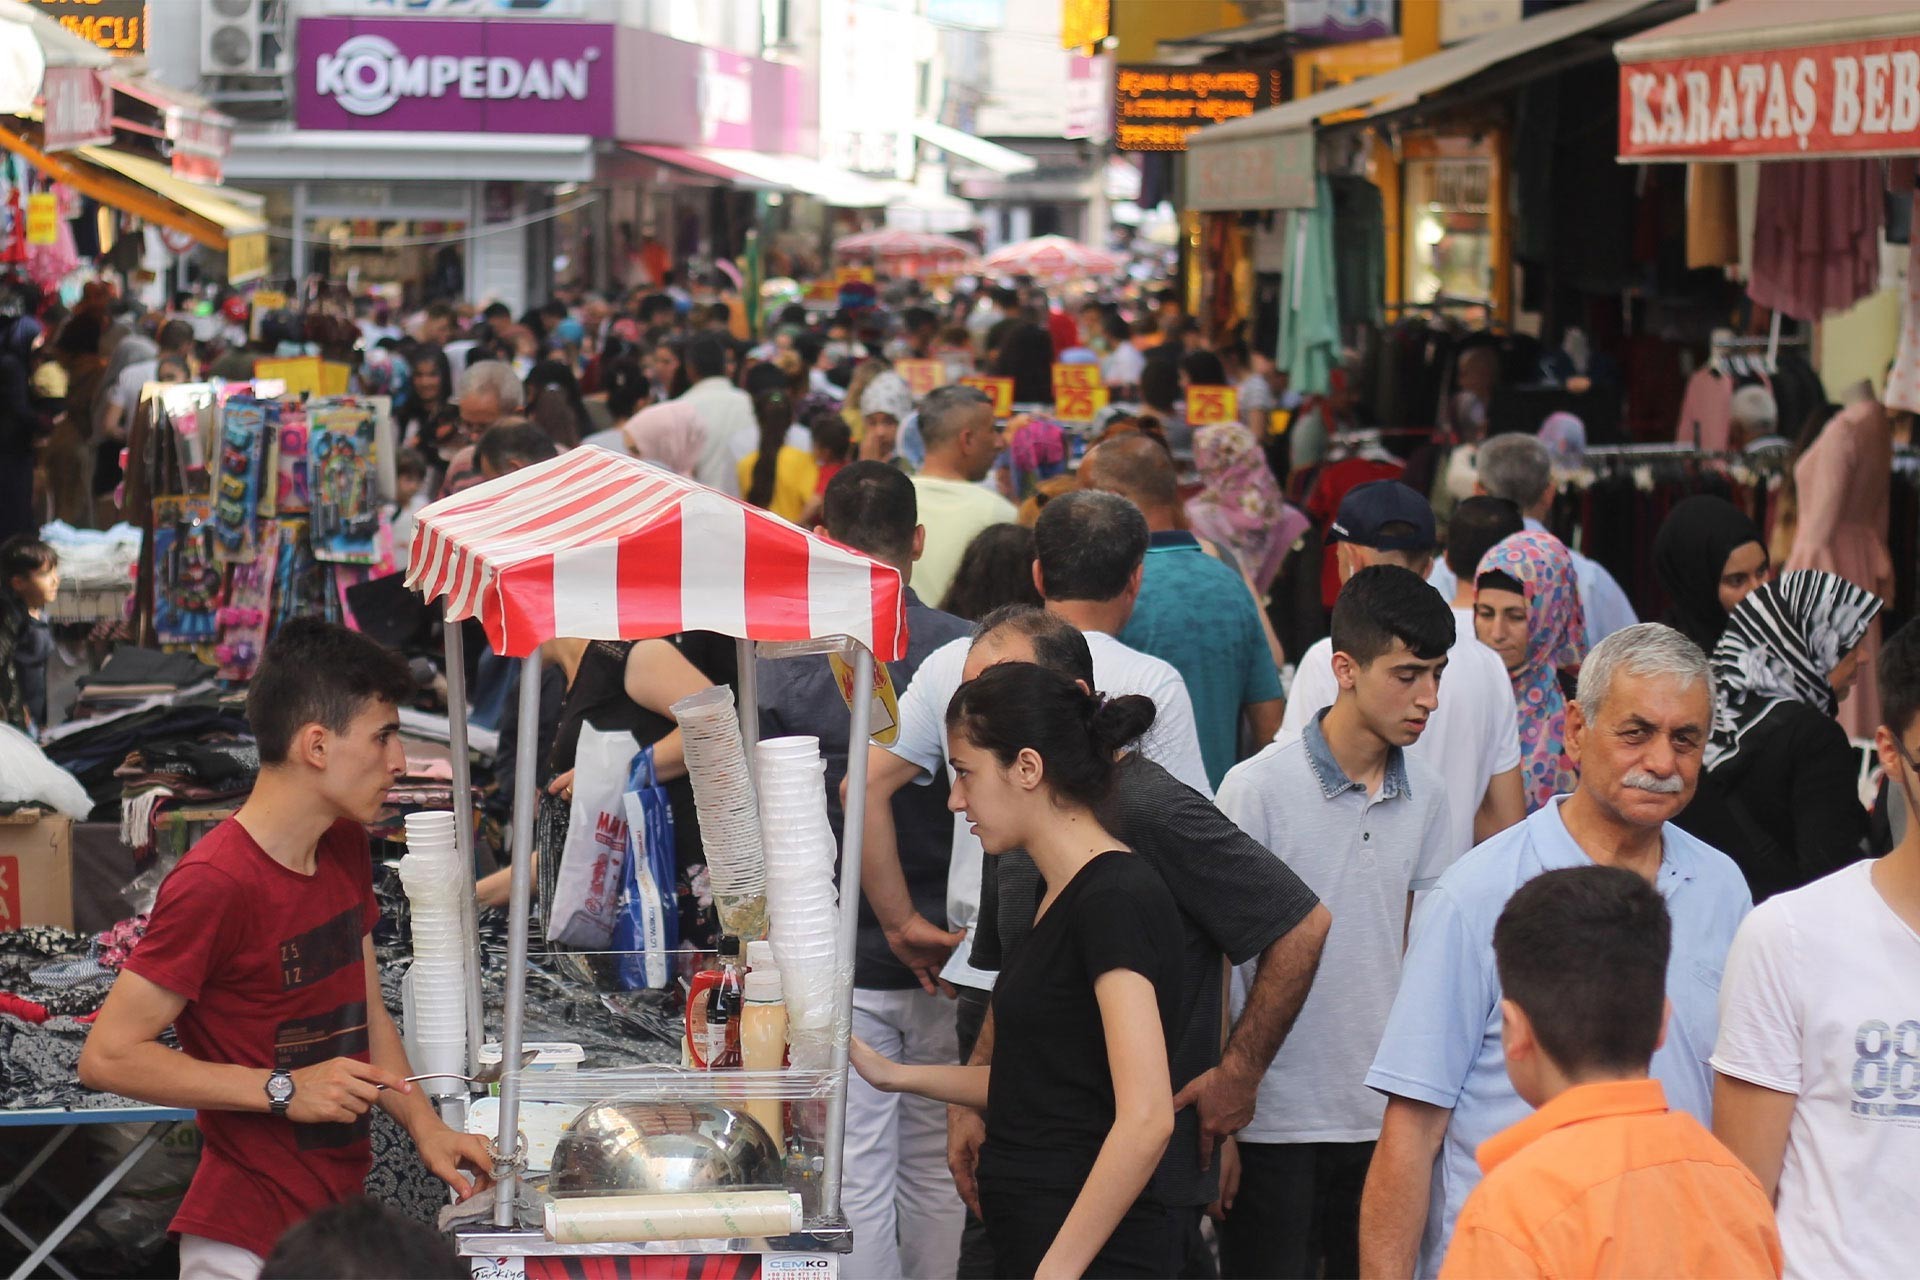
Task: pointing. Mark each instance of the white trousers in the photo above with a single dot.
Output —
(895, 1188)
(204, 1259)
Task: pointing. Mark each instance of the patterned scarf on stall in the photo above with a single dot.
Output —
(1556, 642)
(1781, 645)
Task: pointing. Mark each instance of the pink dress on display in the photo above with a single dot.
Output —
(1842, 483)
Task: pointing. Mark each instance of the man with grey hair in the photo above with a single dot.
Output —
(961, 440)
(486, 392)
(1518, 468)
(1635, 732)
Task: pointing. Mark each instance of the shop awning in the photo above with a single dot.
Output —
(198, 135)
(147, 190)
(601, 546)
(1758, 79)
(1267, 160)
(988, 155)
(399, 155)
(760, 171)
(31, 43)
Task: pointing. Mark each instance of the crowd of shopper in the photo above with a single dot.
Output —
(1443, 961)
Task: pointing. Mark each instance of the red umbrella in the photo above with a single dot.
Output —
(1051, 256)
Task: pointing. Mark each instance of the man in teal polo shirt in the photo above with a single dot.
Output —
(1194, 610)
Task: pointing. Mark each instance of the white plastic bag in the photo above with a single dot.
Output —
(27, 776)
(587, 893)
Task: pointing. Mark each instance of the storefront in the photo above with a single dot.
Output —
(426, 157)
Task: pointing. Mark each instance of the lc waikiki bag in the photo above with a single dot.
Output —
(587, 891)
(648, 923)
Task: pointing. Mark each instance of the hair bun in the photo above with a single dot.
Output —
(1113, 723)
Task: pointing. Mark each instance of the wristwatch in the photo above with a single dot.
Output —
(279, 1092)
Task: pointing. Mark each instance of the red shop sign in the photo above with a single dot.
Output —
(1858, 97)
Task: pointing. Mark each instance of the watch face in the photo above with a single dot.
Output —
(279, 1087)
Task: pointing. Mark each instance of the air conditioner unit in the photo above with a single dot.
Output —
(240, 37)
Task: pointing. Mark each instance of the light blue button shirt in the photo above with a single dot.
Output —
(1442, 1043)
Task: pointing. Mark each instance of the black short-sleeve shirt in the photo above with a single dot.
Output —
(1050, 1100)
(1234, 900)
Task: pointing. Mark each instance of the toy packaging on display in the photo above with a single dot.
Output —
(187, 584)
(246, 428)
(243, 621)
(343, 478)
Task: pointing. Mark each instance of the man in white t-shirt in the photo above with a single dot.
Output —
(1473, 738)
(961, 439)
(1088, 568)
(1817, 1064)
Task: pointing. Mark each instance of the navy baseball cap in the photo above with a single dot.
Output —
(1385, 505)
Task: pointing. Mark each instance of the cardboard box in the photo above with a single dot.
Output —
(36, 870)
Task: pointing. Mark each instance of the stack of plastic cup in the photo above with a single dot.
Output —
(801, 897)
(723, 794)
(435, 878)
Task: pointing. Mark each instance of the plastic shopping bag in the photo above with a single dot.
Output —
(587, 892)
(647, 925)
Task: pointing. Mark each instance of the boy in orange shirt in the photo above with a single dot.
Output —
(1602, 1180)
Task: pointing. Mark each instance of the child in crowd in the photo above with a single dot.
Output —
(410, 495)
(832, 450)
(1602, 1179)
(29, 582)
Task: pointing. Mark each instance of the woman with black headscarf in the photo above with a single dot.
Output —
(1780, 788)
(1709, 556)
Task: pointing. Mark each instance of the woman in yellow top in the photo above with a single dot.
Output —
(784, 481)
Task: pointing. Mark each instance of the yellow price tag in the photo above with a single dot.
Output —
(1079, 404)
(1083, 376)
(1209, 405)
(43, 218)
(921, 376)
(1001, 389)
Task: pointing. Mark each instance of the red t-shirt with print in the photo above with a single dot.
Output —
(270, 964)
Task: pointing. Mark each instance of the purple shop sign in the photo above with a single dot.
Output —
(441, 76)
(689, 95)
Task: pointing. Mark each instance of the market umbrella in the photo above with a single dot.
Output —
(892, 242)
(601, 546)
(1051, 256)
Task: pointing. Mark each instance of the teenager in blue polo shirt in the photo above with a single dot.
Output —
(1364, 823)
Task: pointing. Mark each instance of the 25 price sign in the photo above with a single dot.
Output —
(1209, 405)
(1078, 404)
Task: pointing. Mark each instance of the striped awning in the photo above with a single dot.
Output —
(600, 546)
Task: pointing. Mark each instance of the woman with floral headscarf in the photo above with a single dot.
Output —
(1781, 791)
(1239, 505)
(1526, 608)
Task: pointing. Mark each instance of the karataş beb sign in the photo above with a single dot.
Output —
(436, 75)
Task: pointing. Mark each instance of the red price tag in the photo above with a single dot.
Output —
(1209, 405)
(921, 376)
(1001, 389)
(1082, 376)
(1079, 404)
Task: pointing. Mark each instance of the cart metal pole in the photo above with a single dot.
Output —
(851, 844)
(462, 761)
(519, 904)
(749, 708)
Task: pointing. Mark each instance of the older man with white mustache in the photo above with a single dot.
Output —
(1635, 733)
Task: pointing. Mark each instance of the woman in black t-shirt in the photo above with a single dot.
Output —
(1079, 1101)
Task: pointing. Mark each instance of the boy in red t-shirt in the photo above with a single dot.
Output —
(259, 953)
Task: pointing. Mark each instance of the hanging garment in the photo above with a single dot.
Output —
(1816, 242)
(1903, 380)
(1842, 482)
(1310, 318)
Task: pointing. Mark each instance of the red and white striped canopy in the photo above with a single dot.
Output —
(892, 242)
(600, 546)
(1051, 256)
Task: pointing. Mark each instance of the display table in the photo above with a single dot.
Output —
(65, 1122)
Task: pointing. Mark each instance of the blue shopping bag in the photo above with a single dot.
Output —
(647, 923)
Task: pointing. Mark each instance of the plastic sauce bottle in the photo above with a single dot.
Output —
(725, 1002)
(763, 1044)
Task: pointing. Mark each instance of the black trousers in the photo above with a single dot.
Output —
(976, 1248)
(1297, 1213)
(1023, 1220)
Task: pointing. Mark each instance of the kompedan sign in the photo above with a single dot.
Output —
(1856, 97)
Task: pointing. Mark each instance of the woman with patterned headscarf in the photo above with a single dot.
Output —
(1239, 505)
(1526, 608)
(1782, 790)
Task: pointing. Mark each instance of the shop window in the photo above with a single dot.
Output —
(1448, 230)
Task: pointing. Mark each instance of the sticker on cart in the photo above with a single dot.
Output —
(799, 1266)
(886, 703)
(499, 1268)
